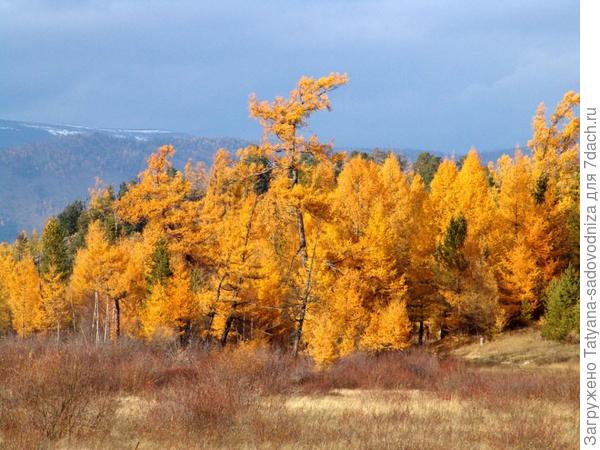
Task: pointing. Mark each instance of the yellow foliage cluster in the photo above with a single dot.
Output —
(291, 243)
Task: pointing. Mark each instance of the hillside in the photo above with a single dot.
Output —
(44, 167)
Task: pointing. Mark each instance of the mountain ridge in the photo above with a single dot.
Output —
(43, 167)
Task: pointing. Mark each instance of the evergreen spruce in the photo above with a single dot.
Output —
(562, 306)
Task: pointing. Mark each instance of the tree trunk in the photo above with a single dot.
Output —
(298, 334)
(106, 321)
(231, 317)
(443, 330)
(306, 296)
(96, 319)
(73, 324)
(227, 329)
(302, 237)
(211, 317)
(421, 332)
(116, 329)
(184, 333)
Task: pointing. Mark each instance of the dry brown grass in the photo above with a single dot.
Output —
(145, 397)
(523, 348)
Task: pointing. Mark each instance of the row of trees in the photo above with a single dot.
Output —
(291, 243)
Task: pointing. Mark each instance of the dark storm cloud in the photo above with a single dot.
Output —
(435, 74)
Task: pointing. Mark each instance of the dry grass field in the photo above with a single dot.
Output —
(132, 396)
(521, 348)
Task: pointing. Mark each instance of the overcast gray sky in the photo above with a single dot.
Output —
(436, 74)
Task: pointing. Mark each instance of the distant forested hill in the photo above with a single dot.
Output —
(44, 167)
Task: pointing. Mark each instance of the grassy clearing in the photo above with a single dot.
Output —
(521, 348)
(133, 396)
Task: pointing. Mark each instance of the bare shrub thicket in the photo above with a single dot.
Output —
(446, 377)
(151, 396)
(51, 394)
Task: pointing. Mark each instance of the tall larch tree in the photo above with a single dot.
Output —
(338, 319)
(96, 273)
(423, 296)
(474, 201)
(364, 252)
(127, 287)
(24, 297)
(523, 239)
(443, 204)
(283, 120)
(161, 204)
(6, 263)
(230, 215)
(54, 313)
(555, 149)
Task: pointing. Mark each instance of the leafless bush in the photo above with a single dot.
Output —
(218, 390)
(392, 370)
(52, 396)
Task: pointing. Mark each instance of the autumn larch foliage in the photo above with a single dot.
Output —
(293, 244)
